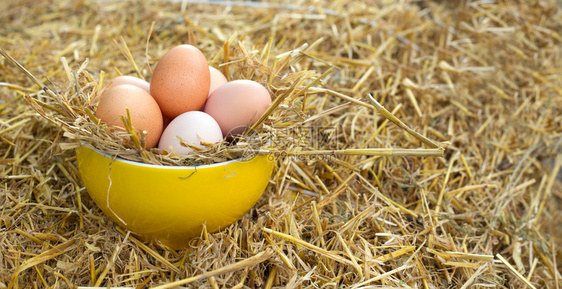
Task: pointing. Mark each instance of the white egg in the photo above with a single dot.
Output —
(192, 127)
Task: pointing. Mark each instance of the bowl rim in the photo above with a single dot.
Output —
(163, 166)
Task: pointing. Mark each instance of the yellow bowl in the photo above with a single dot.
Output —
(169, 203)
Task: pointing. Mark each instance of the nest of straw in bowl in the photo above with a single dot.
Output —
(283, 130)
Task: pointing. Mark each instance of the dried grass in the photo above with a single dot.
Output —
(484, 77)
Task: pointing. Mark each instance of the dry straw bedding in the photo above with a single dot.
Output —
(481, 78)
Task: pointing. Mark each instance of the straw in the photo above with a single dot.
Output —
(417, 144)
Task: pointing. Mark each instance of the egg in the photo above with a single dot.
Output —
(124, 79)
(181, 81)
(192, 127)
(145, 113)
(238, 104)
(217, 79)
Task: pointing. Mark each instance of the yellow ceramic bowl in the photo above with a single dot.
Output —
(169, 203)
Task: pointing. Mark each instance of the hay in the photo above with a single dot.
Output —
(483, 77)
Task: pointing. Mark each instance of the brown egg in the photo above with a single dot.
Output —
(238, 104)
(145, 113)
(180, 81)
(124, 79)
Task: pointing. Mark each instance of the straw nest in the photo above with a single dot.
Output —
(367, 95)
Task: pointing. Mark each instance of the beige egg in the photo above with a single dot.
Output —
(217, 79)
(237, 104)
(180, 81)
(145, 113)
(192, 127)
(123, 79)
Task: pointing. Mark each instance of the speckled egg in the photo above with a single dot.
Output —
(180, 81)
